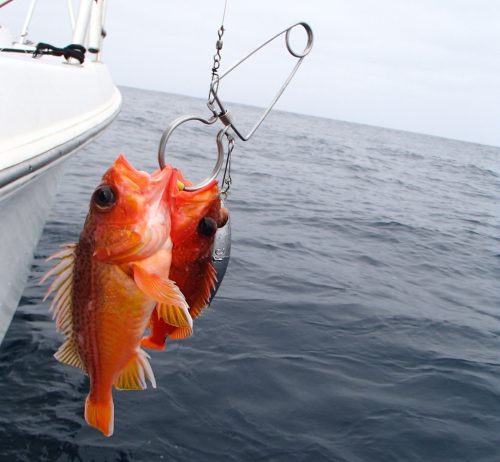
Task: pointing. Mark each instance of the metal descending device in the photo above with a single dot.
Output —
(230, 130)
(219, 111)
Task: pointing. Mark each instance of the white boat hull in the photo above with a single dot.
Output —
(49, 110)
(23, 213)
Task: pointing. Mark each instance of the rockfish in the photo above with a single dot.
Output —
(108, 284)
(195, 215)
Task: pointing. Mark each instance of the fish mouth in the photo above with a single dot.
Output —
(159, 183)
(123, 172)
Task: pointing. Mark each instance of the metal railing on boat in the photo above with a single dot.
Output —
(87, 27)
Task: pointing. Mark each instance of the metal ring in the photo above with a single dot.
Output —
(220, 147)
(309, 44)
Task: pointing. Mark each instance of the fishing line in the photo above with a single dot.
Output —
(224, 13)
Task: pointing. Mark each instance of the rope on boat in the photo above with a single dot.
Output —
(71, 51)
(6, 2)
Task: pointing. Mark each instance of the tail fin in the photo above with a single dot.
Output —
(100, 415)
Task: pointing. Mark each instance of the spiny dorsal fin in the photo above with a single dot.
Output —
(208, 285)
(68, 354)
(135, 373)
(201, 302)
(62, 285)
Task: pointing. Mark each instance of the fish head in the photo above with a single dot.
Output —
(196, 215)
(128, 219)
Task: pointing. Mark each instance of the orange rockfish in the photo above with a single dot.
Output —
(108, 284)
(196, 215)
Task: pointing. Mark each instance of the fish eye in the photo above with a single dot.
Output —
(207, 226)
(104, 197)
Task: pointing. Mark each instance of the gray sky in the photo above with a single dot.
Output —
(429, 66)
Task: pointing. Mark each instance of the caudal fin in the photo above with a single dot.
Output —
(100, 415)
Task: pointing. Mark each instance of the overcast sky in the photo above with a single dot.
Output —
(430, 66)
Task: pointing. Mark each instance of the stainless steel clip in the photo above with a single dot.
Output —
(224, 115)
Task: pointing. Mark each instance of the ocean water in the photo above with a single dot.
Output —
(359, 319)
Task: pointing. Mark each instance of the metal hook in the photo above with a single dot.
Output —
(223, 113)
(220, 147)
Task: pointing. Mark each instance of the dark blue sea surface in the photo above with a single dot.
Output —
(359, 319)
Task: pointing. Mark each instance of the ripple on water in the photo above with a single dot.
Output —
(357, 322)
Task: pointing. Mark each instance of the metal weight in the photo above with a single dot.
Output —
(221, 253)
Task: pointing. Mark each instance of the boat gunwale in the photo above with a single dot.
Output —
(32, 166)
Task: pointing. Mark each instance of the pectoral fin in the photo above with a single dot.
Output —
(166, 293)
(181, 333)
(173, 315)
